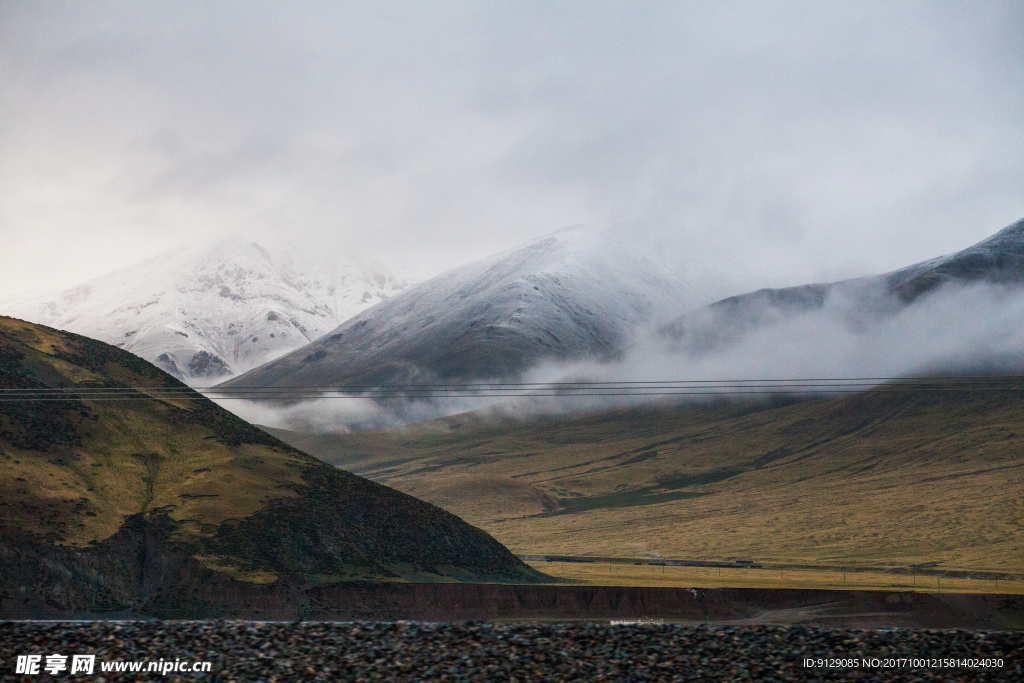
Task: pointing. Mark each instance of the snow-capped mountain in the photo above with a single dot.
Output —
(208, 313)
(997, 260)
(569, 295)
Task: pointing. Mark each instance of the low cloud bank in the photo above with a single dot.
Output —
(976, 329)
(336, 412)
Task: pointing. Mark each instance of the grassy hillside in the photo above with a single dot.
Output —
(234, 498)
(915, 478)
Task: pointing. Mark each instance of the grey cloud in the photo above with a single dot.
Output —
(790, 141)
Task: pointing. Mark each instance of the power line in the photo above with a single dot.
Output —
(872, 380)
(653, 388)
(945, 379)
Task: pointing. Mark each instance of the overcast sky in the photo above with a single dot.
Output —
(797, 141)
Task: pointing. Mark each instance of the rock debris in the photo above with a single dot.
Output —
(578, 651)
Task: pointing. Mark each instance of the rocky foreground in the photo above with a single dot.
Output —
(322, 651)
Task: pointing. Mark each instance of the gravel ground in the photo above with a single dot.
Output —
(333, 651)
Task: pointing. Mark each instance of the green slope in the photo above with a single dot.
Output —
(893, 479)
(234, 498)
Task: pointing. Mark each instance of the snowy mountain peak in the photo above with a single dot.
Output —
(209, 312)
(568, 295)
(569, 243)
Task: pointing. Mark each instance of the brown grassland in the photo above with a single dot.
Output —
(909, 479)
(74, 478)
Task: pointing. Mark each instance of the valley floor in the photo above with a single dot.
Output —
(910, 480)
(627, 574)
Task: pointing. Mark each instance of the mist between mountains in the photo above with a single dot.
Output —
(975, 329)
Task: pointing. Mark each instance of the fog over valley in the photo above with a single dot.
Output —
(972, 330)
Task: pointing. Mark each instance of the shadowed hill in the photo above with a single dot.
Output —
(232, 499)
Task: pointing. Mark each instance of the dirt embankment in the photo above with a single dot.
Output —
(867, 609)
(140, 572)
